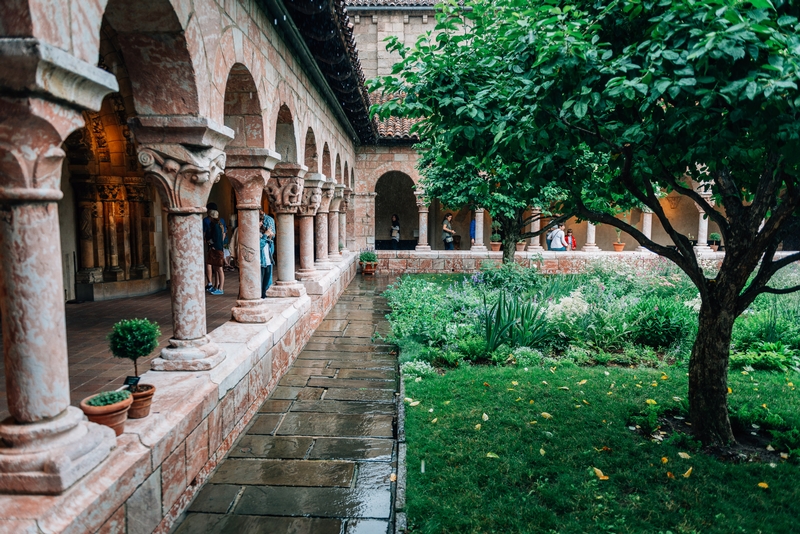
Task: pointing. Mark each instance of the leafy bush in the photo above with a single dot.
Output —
(133, 339)
(418, 369)
(659, 323)
(473, 348)
(763, 361)
(107, 398)
(368, 256)
(787, 441)
(510, 277)
(528, 357)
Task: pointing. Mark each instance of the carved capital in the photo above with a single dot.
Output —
(285, 187)
(345, 205)
(708, 198)
(327, 196)
(312, 194)
(183, 176)
(338, 196)
(248, 170)
(422, 202)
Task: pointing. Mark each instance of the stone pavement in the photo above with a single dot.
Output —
(319, 456)
(92, 368)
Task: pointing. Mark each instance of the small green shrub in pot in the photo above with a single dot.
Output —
(495, 238)
(107, 398)
(714, 237)
(133, 339)
(368, 256)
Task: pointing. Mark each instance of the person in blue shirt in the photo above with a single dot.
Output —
(472, 231)
(268, 233)
(266, 262)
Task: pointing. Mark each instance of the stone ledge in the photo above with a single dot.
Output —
(195, 419)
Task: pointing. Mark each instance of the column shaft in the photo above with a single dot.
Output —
(306, 244)
(422, 243)
(590, 245)
(248, 241)
(343, 229)
(333, 236)
(321, 237)
(647, 228)
(187, 275)
(284, 248)
(478, 230)
(535, 244)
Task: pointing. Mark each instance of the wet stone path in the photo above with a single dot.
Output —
(318, 457)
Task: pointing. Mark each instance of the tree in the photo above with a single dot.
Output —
(503, 190)
(619, 101)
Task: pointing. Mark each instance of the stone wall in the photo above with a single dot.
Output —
(162, 461)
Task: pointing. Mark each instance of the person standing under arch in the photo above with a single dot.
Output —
(448, 232)
(395, 232)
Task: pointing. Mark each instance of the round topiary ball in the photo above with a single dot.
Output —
(133, 339)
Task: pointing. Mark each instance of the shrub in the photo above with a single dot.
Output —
(133, 339)
(107, 398)
(659, 323)
(473, 348)
(528, 357)
(787, 441)
(368, 256)
(418, 369)
(510, 277)
(761, 361)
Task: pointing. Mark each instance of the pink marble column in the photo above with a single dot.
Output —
(590, 245)
(183, 157)
(333, 224)
(47, 445)
(312, 198)
(478, 246)
(248, 170)
(647, 227)
(343, 218)
(422, 206)
(702, 227)
(535, 243)
(285, 191)
(321, 227)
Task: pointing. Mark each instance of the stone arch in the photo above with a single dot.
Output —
(406, 167)
(243, 109)
(310, 152)
(338, 169)
(152, 42)
(394, 194)
(326, 161)
(352, 179)
(285, 140)
(346, 175)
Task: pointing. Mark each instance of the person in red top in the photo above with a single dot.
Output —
(571, 243)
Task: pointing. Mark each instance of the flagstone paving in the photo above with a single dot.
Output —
(319, 456)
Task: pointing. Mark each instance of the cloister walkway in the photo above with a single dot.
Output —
(319, 456)
(92, 368)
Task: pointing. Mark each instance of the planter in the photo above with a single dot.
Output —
(142, 398)
(495, 246)
(714, 247)
(521, 246)
(368, 268)
(619, 247)
(113, 415)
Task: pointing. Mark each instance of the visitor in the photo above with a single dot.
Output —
(232, 252)
(559, 240)
(216, 252)
(395, 232)
(211, 206)
(549, 237)
(448, 232)
(268, 223)
(266, 261)
(570, 239)
(472, 231)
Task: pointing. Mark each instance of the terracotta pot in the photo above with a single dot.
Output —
(141, 402)
(368, 268)
(113, 415)
(619, 247)
(521, 246)
(495, 246)
(714, 247)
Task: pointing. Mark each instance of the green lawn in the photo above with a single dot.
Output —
(543, 478)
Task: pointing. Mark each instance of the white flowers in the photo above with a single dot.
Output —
(568, 307)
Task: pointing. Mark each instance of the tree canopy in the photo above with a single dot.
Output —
(613, 103)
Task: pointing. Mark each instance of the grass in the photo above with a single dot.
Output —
(543, 477)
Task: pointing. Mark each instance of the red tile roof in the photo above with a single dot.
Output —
(394, 128)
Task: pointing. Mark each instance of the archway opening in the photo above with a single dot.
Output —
(395, 196)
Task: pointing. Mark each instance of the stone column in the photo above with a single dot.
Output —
(590, 245)
(248, 170)
(535, 243)
(309, 204)
(137, 194)
(647, 228)
(321, 227)
(343, 218)
(86, 193)
(478, 246)
(183, 157)
(333, 223)
(110, 193)
(47, 445)
(702, 228)
(285, 191)
(422, 206)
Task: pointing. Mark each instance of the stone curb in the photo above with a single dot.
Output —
(400, 522)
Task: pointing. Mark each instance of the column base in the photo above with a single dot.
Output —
(306, 274)
(251, 311)
(423, 248)
(476, 248)
(702, 249)
(189, 355)
(90, 276)
(49, 457)
(534, 248)
(286, 290)
(590, 248)
(323, 265)
(344, 251)
(335, 258)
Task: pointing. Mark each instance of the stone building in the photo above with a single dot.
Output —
(119, 122)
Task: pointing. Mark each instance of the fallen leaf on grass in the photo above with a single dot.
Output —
(654, 384)
(585, 402)
(531, 401)
(676, 399)
(730, 391)
(447, 402)
(478, 426)
(684, 455)
(785, 455)
(582, 382)
(533, 422)
(434, 419)
(486, 384)
(514, 383)
(546, 415)
(545, 383)
(518, 399)
(565, 388)
(408, 399)
(599, 474)
(603, 449)
(664, 377)
(651, 402)
(485, 417)
(415, 403)
(491, 455)
(541, 451)
(670, 475)
(764, 406)
(688, 473)
(763, 485)
(553, 370)
(770, 448)
(664, 460)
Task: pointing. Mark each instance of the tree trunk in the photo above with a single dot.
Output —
(509, 248)
(708, 375)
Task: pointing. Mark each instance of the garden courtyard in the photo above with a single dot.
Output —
(538, 403)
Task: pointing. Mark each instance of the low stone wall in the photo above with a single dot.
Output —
(439, 261)
(162, 461)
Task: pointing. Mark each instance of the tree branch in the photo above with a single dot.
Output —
(783, 291)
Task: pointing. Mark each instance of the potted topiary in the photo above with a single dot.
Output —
(109, 408)
(134, 339)
(494, 239)
(714, 241)
(368, 261)
(520, 245)
(619, 246)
